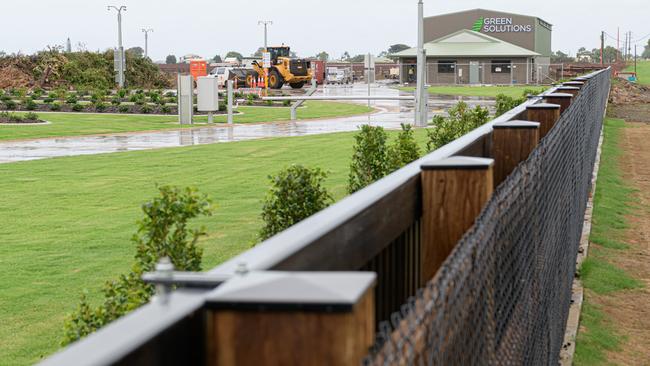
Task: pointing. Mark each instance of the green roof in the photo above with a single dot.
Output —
(467, 43)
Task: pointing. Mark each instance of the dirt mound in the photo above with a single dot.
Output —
(625, 92)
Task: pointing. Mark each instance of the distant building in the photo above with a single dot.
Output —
(481, 46)
(190, 56)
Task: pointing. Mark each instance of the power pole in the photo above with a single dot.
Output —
(635, 61)
(618, 45)
(146, 41)
(266, 23)
(602, 48)
(421, 96)
(629, 45)
(120, 49)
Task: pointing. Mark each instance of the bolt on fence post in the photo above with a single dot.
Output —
(454, 191)
(563, 99)
(291, 318)
(544, 113)
(512, 143)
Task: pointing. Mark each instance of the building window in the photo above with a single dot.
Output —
(501, 66)
(446, 67)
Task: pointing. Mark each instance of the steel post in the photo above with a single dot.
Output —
(420, 95)
(230, 97)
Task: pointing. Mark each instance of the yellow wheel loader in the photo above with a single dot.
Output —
(284, 69)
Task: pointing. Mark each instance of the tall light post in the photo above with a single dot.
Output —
(421, 97)
(146, 40)
(120, 49)
(266, 23)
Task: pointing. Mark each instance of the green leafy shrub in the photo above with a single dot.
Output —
(30, 105)
(38, 92)
(71, 99)
(286, 103)
(11, 117)
(48, 100)
(123, 109)
(134, 98)
(404, 150)
(165, 109)
(115, 101)
(505, 103)
(122, 93)
(295, 194)
(5, 97)
(369, 157)
(460, 121)
(269, 103)
(100, 106)
(9, 105)
(146, 109)
(97, 97)
(56, 106)
(163, 232)
(31, 116)
(77, 107)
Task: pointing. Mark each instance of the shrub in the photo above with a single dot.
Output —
(139, 102)
(404, 150)
(461, 120)
(11, 117)
(286, 103)
(30, 105)
(295, 194)
(77, 107)
(31, 116)
(163, 232)
(122, 93)
(97, 97)
(100, 106)
(56, 106)
(71, 99)
(505, 103)
(48, 100)
(115, 101)
(146, 109)
(38, 92)
(369, 157)
(134, 98)
(269, 103)
(5, 97)
(10, 105)
(123, 109)
(166, 109)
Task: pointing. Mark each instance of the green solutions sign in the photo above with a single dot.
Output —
(500, 25)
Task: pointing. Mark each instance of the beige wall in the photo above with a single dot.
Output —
(485, 72)
(442, 25)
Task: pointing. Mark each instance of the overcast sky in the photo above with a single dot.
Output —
(214, 27)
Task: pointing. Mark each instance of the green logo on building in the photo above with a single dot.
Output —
(478, 25)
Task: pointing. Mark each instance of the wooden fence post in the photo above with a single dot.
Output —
(512, 143)
(454, 191)
(563, 99)
(568, 89)
(544, 113)
(291, 318)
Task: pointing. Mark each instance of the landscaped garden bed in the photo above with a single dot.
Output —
(13, 118)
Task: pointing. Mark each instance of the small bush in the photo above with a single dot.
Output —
(56, 106)
(10, 105)
(116, 101)
(38, 92)
(30, 105)
(48, 100)
(123, 109)
(77, 107)
(31, 116)
(100, 107)
(146, 109)
(286, 103)
(139, 102)
(369, 158)
(11, 117)
(122, 93)
(269, 103)
(165, 109)
(461, 120)
(404, 150)
(71, 99)
(163, 232)
(295, 194)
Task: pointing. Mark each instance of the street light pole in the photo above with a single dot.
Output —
(120, 49)
(266, 23)
(421, 97)
(146, 40)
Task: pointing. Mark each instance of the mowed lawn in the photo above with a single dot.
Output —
(66, 223)
(71, 124)
(642, 70)
(478, 91)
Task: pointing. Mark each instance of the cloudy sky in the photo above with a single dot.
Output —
(209, 27)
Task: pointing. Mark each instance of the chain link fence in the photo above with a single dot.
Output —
(502, 297)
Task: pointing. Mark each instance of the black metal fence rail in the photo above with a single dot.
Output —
(378, 229)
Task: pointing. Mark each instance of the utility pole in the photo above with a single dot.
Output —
(146, 40)
(635, 61)
(421, 97)
(629, 45)
(602, 48)
(266, 23)
(618, 43)
(120, 49)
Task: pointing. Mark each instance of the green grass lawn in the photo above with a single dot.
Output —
(642, 70)
(66, 223)
(71, 124)
(613, 201)
(477, 91)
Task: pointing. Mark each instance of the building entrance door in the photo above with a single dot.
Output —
(474, 72)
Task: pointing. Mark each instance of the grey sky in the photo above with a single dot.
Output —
(359, 26)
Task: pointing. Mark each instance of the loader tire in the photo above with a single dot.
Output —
(275, 80)
(297, 85)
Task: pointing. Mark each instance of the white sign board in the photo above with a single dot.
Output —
(266, 59)
(207, 99)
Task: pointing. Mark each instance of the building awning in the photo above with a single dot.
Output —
(467, 43)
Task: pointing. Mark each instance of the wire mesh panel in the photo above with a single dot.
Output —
(503, 295)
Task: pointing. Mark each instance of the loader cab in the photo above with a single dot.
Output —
(277, 52)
